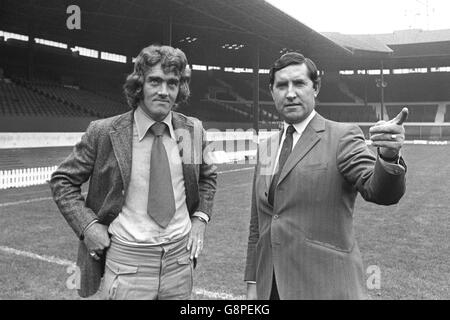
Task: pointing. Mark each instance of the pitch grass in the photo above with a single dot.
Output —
(409, 242)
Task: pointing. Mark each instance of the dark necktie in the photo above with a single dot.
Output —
(284, 154)
(161, 202)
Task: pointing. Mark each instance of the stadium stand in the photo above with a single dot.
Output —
(207, 110)
(67, 84)
(332, 91)
(231, 91)
(238, 83)
(206, 97)
(417, 113)
(447, 113)
(347, 113)
(264, 93)
(19, 101)
(402, 87)
(244, 107)
(92, 103)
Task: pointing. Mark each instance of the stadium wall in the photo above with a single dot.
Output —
(14, 140)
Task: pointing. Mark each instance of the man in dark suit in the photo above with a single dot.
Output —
(150, 191)
(301, 243)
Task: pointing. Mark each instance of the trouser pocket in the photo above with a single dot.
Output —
(186, 273)
(117, 279)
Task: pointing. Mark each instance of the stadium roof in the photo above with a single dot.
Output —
(213, 32)
(414, 36)
(355, 43)
(392, 42)
(402, 49)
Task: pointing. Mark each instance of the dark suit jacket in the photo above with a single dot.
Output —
(104, 156)
(307, 237)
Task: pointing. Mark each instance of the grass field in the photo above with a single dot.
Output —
(409, 242)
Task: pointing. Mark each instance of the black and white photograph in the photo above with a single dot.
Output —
(224, 153)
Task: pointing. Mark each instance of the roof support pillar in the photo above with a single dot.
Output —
(382, 86)
(256, 89)
(31, 49)
(168, 30)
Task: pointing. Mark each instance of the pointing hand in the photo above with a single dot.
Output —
(389, 135)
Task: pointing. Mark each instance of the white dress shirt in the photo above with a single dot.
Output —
(299, 128)
(133, 225)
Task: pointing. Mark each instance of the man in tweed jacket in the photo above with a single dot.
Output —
(143, 259)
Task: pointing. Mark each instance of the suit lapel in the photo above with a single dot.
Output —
(307, 141)
(121, 136)
(188, 141)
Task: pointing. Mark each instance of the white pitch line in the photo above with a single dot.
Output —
(50, 259)
(64, 262)
(14, 203)
(217, 295)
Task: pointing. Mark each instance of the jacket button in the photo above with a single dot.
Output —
(123, 192)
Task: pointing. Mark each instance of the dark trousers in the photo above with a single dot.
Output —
(274, 292)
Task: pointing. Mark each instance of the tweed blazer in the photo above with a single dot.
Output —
(306, 238)
(103, 156)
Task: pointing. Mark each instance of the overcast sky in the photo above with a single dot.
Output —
(368, 16)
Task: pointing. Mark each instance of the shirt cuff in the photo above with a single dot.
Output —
(393, 168)
(251, 282)
(201, 215)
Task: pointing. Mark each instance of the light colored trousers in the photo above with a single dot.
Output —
(162, 272)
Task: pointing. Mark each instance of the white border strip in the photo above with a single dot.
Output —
(426, 142)
(17, 178)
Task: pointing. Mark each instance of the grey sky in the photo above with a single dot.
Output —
(363, 16)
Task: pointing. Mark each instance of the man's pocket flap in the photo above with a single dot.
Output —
(120, 268)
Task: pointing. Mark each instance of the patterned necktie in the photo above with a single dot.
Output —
(284, 154)
(161, 201)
